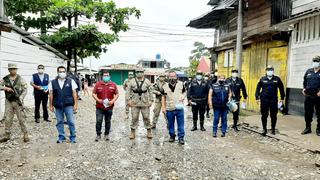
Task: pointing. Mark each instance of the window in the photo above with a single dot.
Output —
(307, 30)
(228, 58)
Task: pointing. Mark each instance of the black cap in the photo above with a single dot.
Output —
(316, 59)
(269, 67)
(234, 70)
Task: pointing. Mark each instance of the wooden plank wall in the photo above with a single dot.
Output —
(28, 57)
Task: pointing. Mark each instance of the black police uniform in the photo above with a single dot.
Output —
(311, 84)
(198, 94)
(210, 82)
(269, 99)
(237, 85)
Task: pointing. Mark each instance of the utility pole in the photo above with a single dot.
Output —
(239, 38)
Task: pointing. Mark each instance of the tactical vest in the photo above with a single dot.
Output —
(37, 81)
(220, 95)
(62, 97)
(138, 89)
(17, 85)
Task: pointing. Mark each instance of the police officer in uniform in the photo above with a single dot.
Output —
(198, 98)
(267, 96)
(159, 92)
(125, 87)
(140, 100)
(237, 85)
(74, 76)
(15, 88)
(311, 90)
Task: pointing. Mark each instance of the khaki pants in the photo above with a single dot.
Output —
(156, 112)
(135, 112)
(126, 104)
(12, 108)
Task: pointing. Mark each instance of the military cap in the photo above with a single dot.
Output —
(269, 67)
(12, 66)
(316, 59)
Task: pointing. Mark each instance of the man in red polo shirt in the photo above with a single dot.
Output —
(105, 93)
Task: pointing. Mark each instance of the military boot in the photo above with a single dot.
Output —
(26, 137)
(202, 126)
(264, 132)
(5, 138)
(307, 130)
(133, 134)
(149, 134)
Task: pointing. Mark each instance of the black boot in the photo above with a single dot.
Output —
(194, 128)
(318, 131)
(264, 132)
(307, 130)
(202, 126)
(235, 125)
(273, 131)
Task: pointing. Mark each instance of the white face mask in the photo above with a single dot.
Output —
(206, 78)
(72, 69)
(234, 75)
(40, 71)
(270, 73)
(62, 75)
(216, 74)
(316, 64)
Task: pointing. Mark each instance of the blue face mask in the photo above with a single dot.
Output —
(106, 78)
(198, 77)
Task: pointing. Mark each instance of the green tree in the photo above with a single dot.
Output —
(196, 54)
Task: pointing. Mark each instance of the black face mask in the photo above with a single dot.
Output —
(172, 81)
(221, 81)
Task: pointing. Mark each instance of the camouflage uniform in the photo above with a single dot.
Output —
(12, 104)
(157, 88)
(140, 102)
(125, 87)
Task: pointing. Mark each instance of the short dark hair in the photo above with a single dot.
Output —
(40, 65)
(61, 67)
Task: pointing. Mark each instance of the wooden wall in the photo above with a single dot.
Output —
(28, 57)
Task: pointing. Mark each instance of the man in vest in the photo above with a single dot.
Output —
(219, 95)
(125, 87)
(311, 91)
(63, 98)
(267, 97)
(158, 91)
(173, 107)
(106, 94)
(40, 82)
(15, 88)
(237, 85)
(198, 98)
(140, 100)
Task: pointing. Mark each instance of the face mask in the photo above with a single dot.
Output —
(198, 77)
(139, 75)
(216, 74)
(270, 73)
(130, 77)
(106, 78)
(72, 69)
(40, 71)
(161, 79)
(172, 81)
(62, 75)
(221, 81)
(206, 78)
(234, 75)
(316, 64)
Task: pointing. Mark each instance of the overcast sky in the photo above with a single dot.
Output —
(149, 33)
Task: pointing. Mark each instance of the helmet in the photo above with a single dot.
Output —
(162, 75)
(232, 105)
(139, 69)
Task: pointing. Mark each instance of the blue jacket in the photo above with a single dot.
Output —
(220, 95)
(38, 82)
(62, 97)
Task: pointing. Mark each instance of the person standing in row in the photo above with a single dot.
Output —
(311, 91)
(125, 87)
(267, 97)
(140, 100)
(105, 93)
(158, 91)
(173, 107)
(198, 98)
(74, 76)
(64, 101)
(237, 85)
(40, 82)
(219, 95)
(15, 88)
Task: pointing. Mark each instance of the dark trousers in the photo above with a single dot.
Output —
(41, 98)
(207, 109)
(310, 104)
(236, 115)
(266, 108)
(200, 110)
(100, 115)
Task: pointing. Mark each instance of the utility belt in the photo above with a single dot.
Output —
(199, 99)
(139, 91)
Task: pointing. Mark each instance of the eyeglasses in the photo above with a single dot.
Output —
(40, 68)
(61, 71)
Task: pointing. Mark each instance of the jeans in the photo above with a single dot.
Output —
(172, 116)
(38, 99)
(220, 112)
(68, 112)
(100, 114)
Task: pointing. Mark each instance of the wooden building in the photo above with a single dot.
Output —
(262, 44)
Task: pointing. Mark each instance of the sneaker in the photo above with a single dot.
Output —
(202, 129)
(73, 141)
(60, 141)
(106, 137)
(194, 128)
(172, 139)
(181, 141)
(214, 135)
(223, 135)
(98, 138)
(307, 130)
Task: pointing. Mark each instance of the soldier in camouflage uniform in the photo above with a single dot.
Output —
(125, 87)
(140, 100)
(15, 88)
(158, 91)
